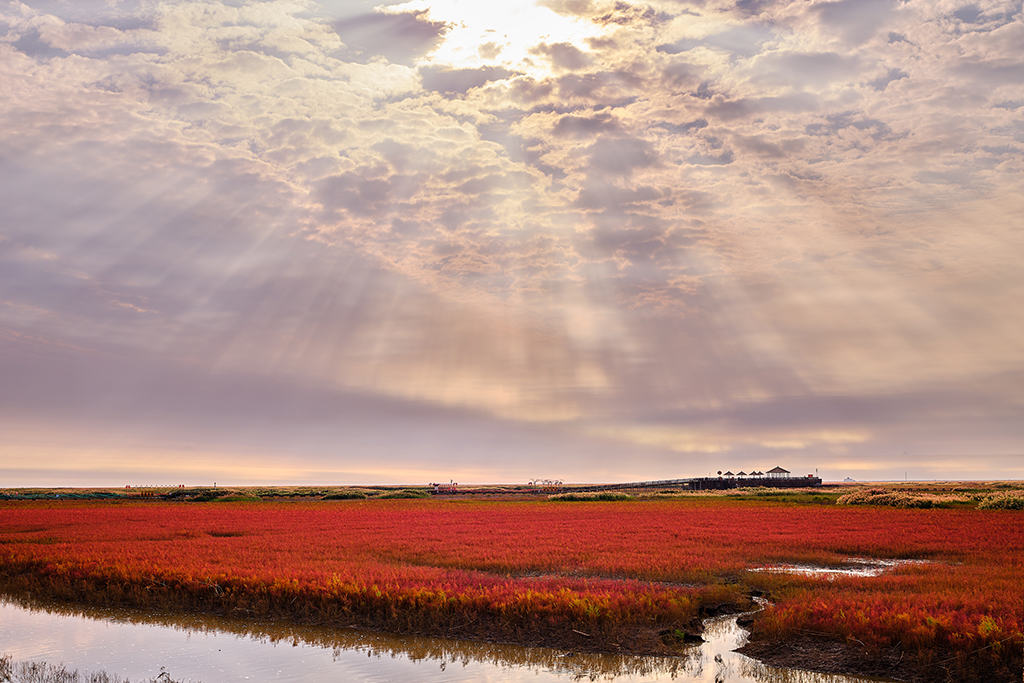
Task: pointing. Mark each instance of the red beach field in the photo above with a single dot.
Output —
(629, 576)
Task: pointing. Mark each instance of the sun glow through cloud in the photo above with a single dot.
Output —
(505, 34)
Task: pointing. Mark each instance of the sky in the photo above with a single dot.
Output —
(346, 242)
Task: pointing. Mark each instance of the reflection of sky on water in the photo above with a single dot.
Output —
(217, 650)
(856, 566)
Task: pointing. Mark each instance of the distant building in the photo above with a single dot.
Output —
(778, 473)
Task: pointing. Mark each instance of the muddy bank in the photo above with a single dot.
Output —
(825, 656)
(835, 658)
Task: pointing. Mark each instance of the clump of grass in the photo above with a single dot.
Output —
(41, 672)
(592, 496)
(1009, 500)
(404, 493)
(62, 494)
(345, 495)
(286, 492)
(766, 491)
(199, 495)
(206, 495)
(664, 494)
(898, 499)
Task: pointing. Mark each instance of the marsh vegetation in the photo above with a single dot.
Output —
(630, 576)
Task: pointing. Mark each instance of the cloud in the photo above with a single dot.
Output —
(619, 155)
(563, 56)
(584, 126)
(740, 41)
(882, 82)
(806, 70)
(461, 80)
(400, 37)
(857, 21)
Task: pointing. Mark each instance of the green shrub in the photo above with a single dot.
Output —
(1002, 501)
(591, 496)
(204, 495)
(345, 495)
(896, 499)
(404, 493)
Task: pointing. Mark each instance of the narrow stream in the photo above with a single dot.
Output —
(206, 649)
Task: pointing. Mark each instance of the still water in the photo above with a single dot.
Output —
(136, 645)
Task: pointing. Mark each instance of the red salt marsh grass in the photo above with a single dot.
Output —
(594, 575)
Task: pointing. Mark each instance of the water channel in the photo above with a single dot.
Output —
(135, 645)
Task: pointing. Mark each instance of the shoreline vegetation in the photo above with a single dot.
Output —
(621, 575)
(12, 671)
(922, 495)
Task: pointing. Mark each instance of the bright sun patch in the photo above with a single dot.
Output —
(519, 35)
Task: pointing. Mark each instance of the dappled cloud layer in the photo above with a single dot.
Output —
(286, 239)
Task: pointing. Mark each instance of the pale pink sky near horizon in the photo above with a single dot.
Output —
(350, 242)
